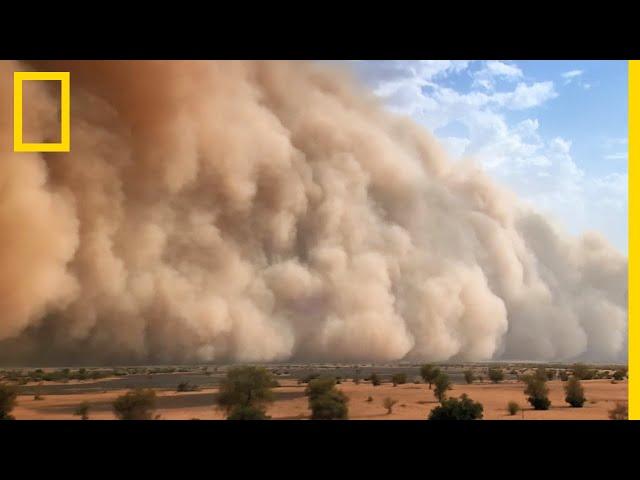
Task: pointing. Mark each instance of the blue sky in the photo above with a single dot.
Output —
(555, 132)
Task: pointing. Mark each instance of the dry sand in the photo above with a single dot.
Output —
(414, 402)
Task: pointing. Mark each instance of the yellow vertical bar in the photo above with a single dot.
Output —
(65, 107)
(634, 238)
(17, 109)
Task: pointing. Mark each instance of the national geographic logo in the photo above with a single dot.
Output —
(65, 125)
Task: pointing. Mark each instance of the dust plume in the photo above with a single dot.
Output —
(267, 211)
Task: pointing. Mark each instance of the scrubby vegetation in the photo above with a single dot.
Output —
(513, 407)
(399, 379)
(388, 404)
(583, 372)
(537, 391)
(574, 393)
(429, 373)
(8, 396)
(469, 377)
(441, 385)
(496, 375)
(325, 401)
(82, 411)
(619, 412)
(139, 404)
(187, 387)
(245, 392)
(375, 379)
(462, 408)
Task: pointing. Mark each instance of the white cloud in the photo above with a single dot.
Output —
(542, 171)
(493, 70)
(572, 74)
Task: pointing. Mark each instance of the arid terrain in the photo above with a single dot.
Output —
(59, 400)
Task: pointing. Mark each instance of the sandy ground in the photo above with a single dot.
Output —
(414, 402)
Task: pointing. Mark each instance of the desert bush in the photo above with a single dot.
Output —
(8, 396)
(462, 408)
(468, 376)
(187, 387)
(537, 391)
(513, 407)
(619, 412)
(551, 374)
(82, 411)
(574, 393)
(582, 372)
(564, 376)
(399, 379)
(619, 374)
(248, 412)
(441, 385)
(388, 404)
(138, 404)
(496, 375)
(369, 398)
(375, 379)
(325, 401)
(310, 376)
(245, 387)
(429, 373)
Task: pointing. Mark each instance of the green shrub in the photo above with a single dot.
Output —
(468, 376)
(8, 395)
(82, 411)
(245, 387)
(388, 404)
(138, 404)
(187, 387)
(619, 412)
(429, 373)
(564, 376)
(441, 385)
(399, 379)
(375, 379)
(496, 375)
(537, 391)
(513, 407)
(248, 412)
(574, 393)
(325, 401)
(582, 372)
(308, 377)
(619, 374)
(457, 409)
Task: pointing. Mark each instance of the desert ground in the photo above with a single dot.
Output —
(414, 401)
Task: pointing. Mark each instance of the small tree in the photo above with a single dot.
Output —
(619, 412)
(138, 404)
(496, 375)
(388, 404)
(574, 393)
(399, 379)
(82, 411)
(247, 412)
(429, 373)
(513, 407)
(564, 376)
(8, 396)
(468, 376)
(325, 401)
(551, 374)
(375, 380)
(442, 384)
(462, 408)
(245, 391)
(537, 391)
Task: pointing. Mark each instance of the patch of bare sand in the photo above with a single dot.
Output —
(414, 402)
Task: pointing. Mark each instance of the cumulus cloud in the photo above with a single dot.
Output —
(262, 211)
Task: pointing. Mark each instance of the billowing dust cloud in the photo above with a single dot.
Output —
(272, 211)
